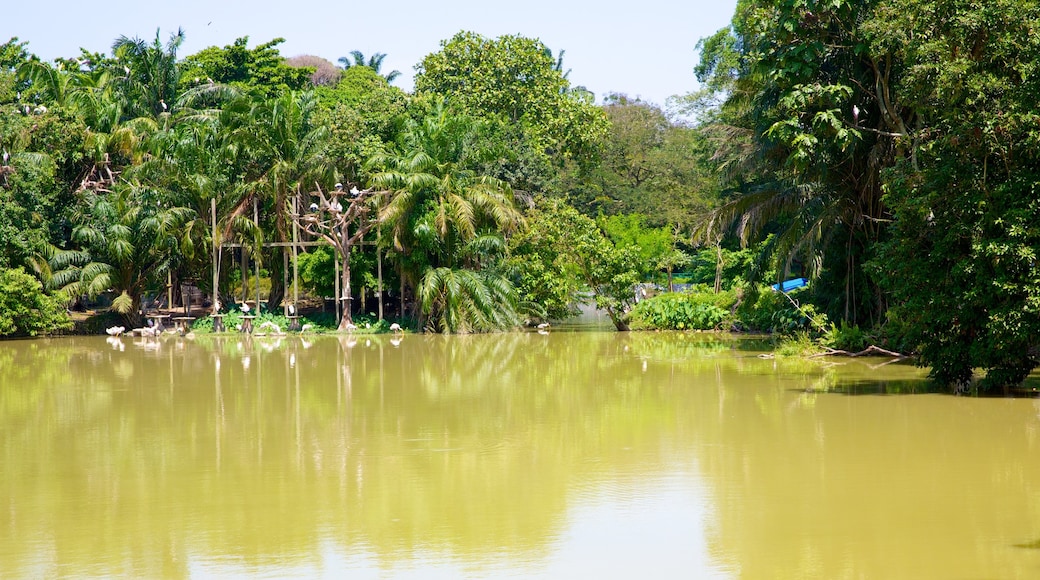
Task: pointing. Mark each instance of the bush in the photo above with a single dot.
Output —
(766, 310)
(697, 309)
(846, 337)
(25, 309)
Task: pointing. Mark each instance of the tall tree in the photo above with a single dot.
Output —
(440, 208)
(515, 81)
(962, 259)
(821, 122)
(288, 152)
(151, 74)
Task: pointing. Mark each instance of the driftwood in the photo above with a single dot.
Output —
(870, 350)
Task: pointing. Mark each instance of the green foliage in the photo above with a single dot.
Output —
(651, 245)
(797, 344)
(259, 71)
(647, 164)
(458, 300)
(513, 79)
(317, 271)
(846, 337)
(569, 247)
(697, 309)
(151, 74)
(765, 310)
(962, 261)
(363, 115)
(25, 309)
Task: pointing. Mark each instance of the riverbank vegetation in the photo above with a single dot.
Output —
(884, 151)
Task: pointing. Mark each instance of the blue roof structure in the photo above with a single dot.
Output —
(792, 284)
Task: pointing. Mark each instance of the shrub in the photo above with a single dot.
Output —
(697, 309)
(846, 337)
(25, 309)
(766, 310)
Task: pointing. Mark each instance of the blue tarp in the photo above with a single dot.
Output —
(789, 285)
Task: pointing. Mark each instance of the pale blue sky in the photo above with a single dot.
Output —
(640, 48)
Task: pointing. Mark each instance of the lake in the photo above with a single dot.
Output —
(563, 455)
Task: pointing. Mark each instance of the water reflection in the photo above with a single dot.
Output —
(666, 454)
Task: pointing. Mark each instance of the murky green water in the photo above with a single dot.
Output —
(571, 455)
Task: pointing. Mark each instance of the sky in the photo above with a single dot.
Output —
(643, 49)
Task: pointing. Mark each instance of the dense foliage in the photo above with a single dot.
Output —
(883, 150)
(25, 310)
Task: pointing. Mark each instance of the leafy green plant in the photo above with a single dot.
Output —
(845, 337)
(700, 309)
(25, 310)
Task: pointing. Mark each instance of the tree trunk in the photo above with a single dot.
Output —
(276, 271)
(344, 270)
(619, 323)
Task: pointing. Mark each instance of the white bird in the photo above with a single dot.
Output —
(339, 187)
(6, 156)
(855, 115)
(354, 191)
(275, 329)
(163, 103)
(395, 328)
(314, 206)
(245, 308)
(115, 330)
(292, 310)
(543, 326)
(351, 327)
(307, 327)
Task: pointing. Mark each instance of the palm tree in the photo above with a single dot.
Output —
(129, 238)
(151, 73)
(288, 153)
(375, 62)
(438, 208)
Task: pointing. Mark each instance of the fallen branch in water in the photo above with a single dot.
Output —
(872, 349)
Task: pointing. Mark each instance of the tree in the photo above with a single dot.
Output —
(259, 71)
(564, 245)
(962, 260)
(515, 81)
(325, 74)
(287, 152)
(374, 63)
(25, 310)
(342, 227)
(439, 206)
(151, 74)
(809, 120)
(129, 237)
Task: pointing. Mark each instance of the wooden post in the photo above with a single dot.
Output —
(256, 259)
(379, 268)
(335, 297)
(295, 257)
(216, 263)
